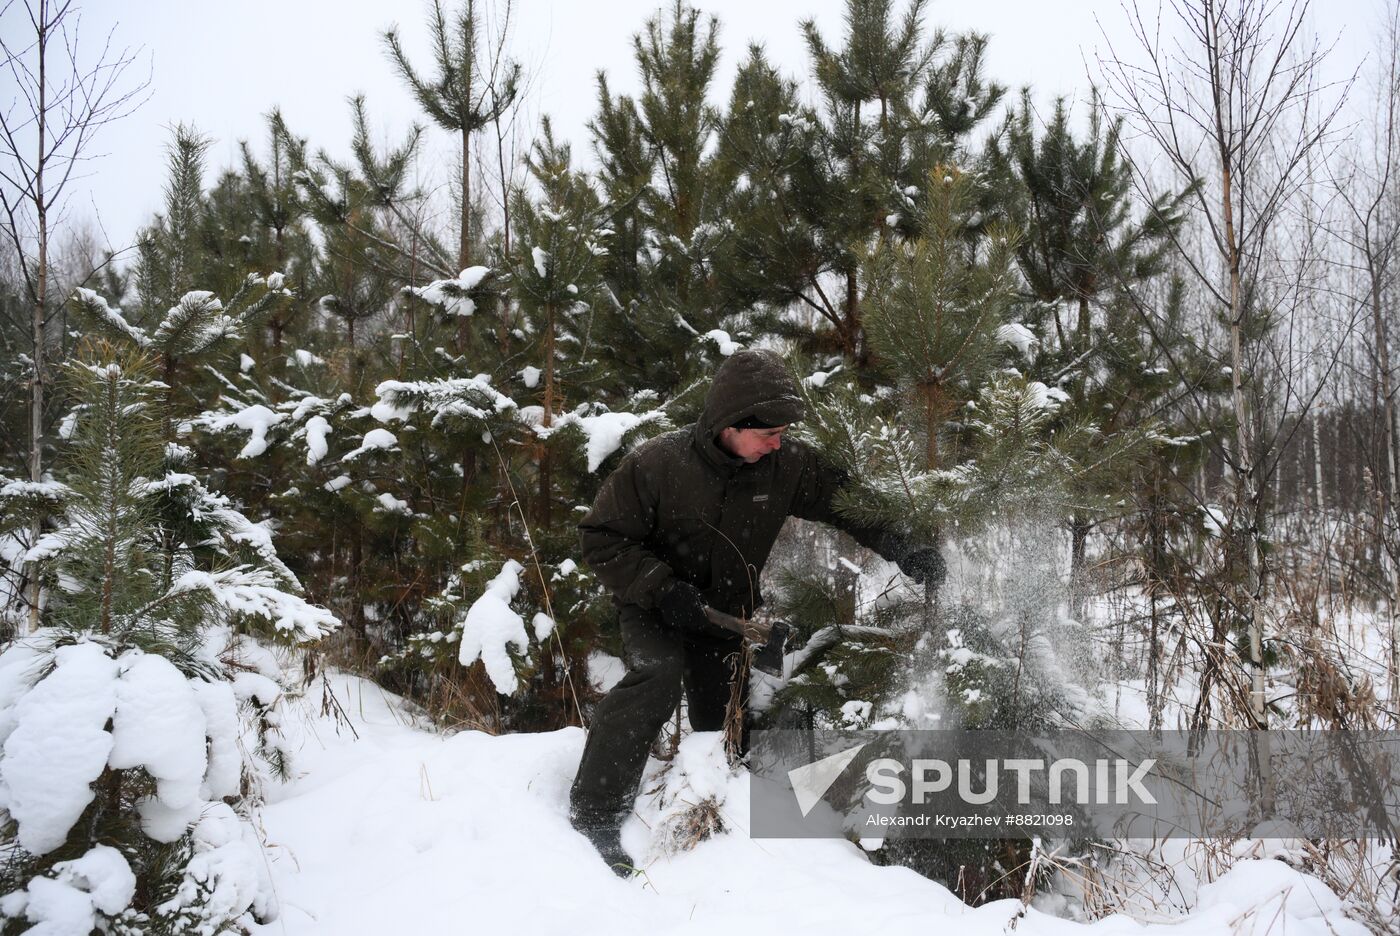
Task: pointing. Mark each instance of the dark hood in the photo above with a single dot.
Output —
(750, 383)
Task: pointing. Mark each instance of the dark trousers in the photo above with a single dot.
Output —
(627, 720)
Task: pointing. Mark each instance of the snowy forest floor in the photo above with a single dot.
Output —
(391, 827)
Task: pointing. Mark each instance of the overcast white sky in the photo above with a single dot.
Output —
(222, 65)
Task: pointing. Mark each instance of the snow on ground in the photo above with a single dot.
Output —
(409, 831)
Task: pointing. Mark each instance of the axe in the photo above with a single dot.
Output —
(770, 637)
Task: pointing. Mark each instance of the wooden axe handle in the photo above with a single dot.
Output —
(757, 631)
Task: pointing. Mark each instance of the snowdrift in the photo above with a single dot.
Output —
(395, 829)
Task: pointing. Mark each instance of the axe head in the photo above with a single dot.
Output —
(769, 657)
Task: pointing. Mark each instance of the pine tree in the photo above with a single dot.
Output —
(625, 170)
(197, 330)
(659, 184)
(470, 90)
(677, 65)
(183, 325)
(557, 281)
(769, 246)
(990, 665)
(937, 312)
(839, 177)
(122, 752)
(938, 306)
(387, 282)
(993, 445)
(962, 443)
(1163, 510)
(171, 250)
(278, 237)
(188, 343)
(385, 301)
(374, 246)
(852, 176)
(1085, 245)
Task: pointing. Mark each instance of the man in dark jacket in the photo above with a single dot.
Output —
(688, 520)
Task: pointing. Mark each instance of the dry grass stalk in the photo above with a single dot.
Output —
(688, 827)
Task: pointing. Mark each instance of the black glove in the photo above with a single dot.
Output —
(924, 564)
(683, 610)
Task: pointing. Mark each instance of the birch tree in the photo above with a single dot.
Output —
(1226, 95)
(1369, 188)
(62, 96)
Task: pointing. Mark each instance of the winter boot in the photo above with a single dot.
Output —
(604, 832)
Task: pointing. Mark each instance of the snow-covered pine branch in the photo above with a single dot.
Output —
(457, 296)
(257, 593)
(458, 398)
(74, 713)
(107, 318)
(491, 628)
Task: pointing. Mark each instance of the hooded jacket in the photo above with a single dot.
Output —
(681, 506)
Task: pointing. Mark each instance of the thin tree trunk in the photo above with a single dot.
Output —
(1154, 688)
(1250, 499)
(278, 323)
(1245, 500)
(464, 243)
(109, 548)
(1079, 536)
(502, 325)
(933, 400)
(1156, 582)
(1084, 331)
(36, 400)
(167, 544)
(544, 513)
(933, 406)
(408, 325)
(1390, 492)
(855, 348)
(1389, 428)
(357, 609)
(1317, 460)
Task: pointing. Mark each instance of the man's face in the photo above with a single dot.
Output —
(751, 444)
